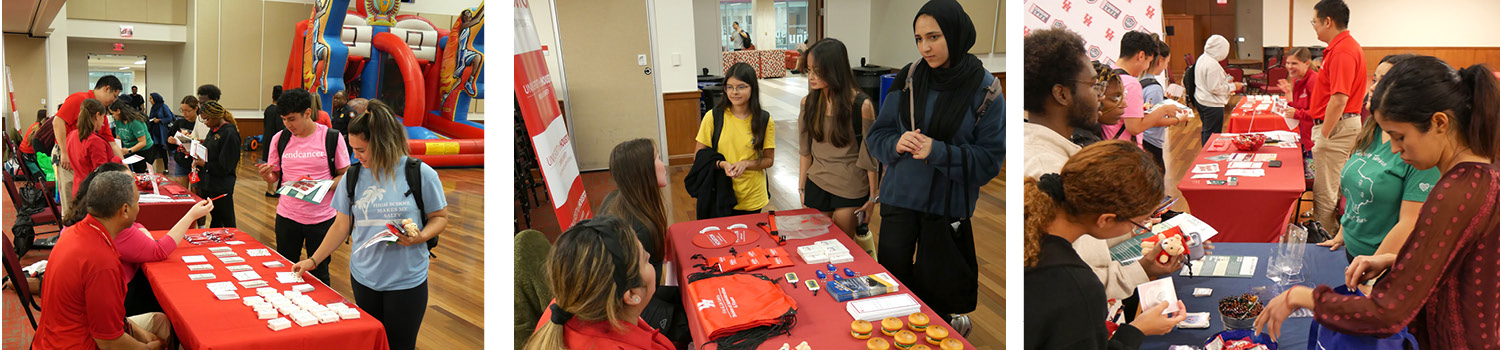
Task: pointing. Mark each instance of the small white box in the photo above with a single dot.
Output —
(252, 300)
(328, 317)
(258, 252)
(220, 249)
(316, 309)
(218, 286)
(225, 254)
(237, 268)
(1202, 292)
(277, 324)
(264, 307)
(303, 288)
(265, 314)
(194, 259)
(291, 293)
(272, 264)
(812, 254)
(306, 321)
(348, 314)
(253, 284)
(232, 260)
(336, 306)
(201, 276)
(200, 267)
(226, 295)
(288, 309)
(301, 313)
(841, 258)
(246, 275)
(305, 304)
(265, 291)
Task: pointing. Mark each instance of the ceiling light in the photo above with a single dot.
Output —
(124, 68)
(140, 62)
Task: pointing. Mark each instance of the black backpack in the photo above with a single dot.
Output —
(330, 146)
(746, 37)
(1190, 83)
(413, 170)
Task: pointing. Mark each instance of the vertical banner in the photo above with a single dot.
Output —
(1099, 22)
(549, 132)
(10, 91)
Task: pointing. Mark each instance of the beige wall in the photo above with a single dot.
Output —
(143, 11)
(27, 59)
(161, 74)
(611, 99)
(1464, 23)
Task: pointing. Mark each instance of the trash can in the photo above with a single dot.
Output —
(868, 78)
(885, 85)
(713, 92)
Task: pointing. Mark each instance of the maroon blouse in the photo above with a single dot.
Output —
(1445, 283)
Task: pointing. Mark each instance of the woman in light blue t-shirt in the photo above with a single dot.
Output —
(389, 280)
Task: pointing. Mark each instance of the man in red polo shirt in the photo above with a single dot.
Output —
(85, 293)
(1337, 98)
(105, 90)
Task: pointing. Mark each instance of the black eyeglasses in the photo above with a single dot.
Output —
(1139, 228)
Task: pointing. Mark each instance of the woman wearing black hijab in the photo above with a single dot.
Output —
(940, 133)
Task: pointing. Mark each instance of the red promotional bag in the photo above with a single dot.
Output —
(729, 304)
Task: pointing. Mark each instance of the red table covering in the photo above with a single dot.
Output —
(162, 216)
(822, 322)
(201, 321)
(1243, 120)
(1257, 209)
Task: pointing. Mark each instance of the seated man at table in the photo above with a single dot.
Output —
(85, 296)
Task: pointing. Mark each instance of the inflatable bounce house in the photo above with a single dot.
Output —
(426, 73)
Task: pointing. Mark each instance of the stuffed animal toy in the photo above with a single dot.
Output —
(1172, 242)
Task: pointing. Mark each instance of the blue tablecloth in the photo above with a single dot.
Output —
(1320, 267)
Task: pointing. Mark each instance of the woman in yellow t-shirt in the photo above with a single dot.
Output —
(748, 141)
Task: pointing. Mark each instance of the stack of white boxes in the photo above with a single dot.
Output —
(825, 251)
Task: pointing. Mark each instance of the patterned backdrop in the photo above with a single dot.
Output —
(767, 63)
(1100, 22)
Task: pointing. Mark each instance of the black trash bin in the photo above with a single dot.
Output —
(713, 92)
(868, 78)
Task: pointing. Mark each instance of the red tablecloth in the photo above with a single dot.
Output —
(1243, 120)
(822, 322)
(1257, 209)
(767, 63)
(162, 216)
(202, 321)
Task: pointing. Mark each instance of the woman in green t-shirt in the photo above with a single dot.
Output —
(1383, 194)
(130, 128)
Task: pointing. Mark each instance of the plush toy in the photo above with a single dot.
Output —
(410, 227)
(1172, 242)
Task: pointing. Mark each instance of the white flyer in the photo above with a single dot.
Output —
(246, 275)
(1206, 168)
(1157, 292)
(194, 259)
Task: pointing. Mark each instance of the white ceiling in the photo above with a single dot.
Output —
(29, 16)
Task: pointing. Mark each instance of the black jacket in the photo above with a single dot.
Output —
(217, 176)
(1066, 306)
(713, 189)
(178, 126)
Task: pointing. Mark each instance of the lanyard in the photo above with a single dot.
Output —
(107, 241)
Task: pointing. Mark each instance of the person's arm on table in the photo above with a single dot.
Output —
(342, 224)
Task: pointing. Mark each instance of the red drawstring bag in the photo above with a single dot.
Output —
(730, 306)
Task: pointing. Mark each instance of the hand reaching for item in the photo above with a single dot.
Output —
(1152, 322)
(1365, 268)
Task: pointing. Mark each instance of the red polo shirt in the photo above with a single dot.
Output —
(85, 296)
(69, 113)
(1343, 73)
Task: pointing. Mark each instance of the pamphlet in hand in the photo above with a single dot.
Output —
(198, 151)
(132, 159)
(306, 189)
(383, 236)
(1157, 292)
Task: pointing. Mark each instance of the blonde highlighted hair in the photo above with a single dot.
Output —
(582, 272)
(213, 110)
(386, 137)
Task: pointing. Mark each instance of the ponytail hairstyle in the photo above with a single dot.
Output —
(1419, 87)
(632, 165)
(1368, 133)
(744, 72)
(87, 124)
(589, 270)
(1111, 176)
(79, 209)
(214, 110)
(192, 103)
(386, 137)
(833, 69)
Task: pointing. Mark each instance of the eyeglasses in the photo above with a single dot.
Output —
(1098, 86)
(737, 88)
(1140, 228)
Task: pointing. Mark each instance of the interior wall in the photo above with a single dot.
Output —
(27, 59)
(676, 45)
(764, 28)
(706, 36)
(140, 11)
(1465, 23)
(160, 75)
(891, 32)
(1250, 28)
(850, 22)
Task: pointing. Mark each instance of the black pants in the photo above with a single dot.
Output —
(945, 274)
(292, 237)
(737, 212)
(1156, 153)
(223, 213)
(140, 167)
(1213, 120)
(400, 311)
(139, 297)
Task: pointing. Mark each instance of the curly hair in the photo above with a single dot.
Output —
(1107, 177)
(1052, 58)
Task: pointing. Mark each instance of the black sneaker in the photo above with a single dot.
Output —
(273, 195)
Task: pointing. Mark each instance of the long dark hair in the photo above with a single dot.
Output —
(127, 113)
(1418, 87)
(745, 72)
(79, 209)
(633, 168)
(833, 69)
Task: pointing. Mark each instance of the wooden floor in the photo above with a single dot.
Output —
(780, 97)
(455, 311)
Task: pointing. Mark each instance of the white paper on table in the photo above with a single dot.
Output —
(194, 259)
(132, 159)
(1157, 292)
(1206, 176)
(1246, 172)
(383, 236)
(1206, 168)
(1245, 165)
(1191, 224)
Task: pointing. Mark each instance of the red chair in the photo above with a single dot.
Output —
(18, 281)
(791, 59)
(1237, 74)
(1274, 75)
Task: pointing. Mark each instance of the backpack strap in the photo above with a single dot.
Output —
(718, 127)
(414, 188)
(282, 138)
(857, 121)
(353, 178)
(330, 146)
(991, 94)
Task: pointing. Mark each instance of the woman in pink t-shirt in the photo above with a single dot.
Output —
(302, 224)
(139, 248)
